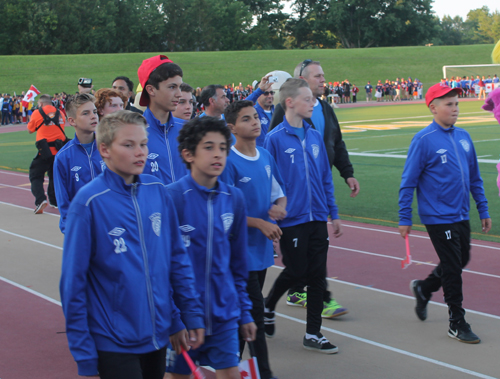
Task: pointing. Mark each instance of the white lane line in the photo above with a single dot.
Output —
(16, 187)
(411, 235)
(31, 239)
(30, 291)
(401, 118)
(393, 349)
(404, 157)
(29, 209)
(414, 261)
(14, 173)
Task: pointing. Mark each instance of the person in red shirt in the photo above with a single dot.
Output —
(48, 124)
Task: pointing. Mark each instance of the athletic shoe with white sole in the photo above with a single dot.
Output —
(462, 332)
(40, 207)
(320, 344)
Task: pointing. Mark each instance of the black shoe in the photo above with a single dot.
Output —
(421, 308)
(53, 205)
(461, 331)
(320, 344)
(269, 320)
(40, 207)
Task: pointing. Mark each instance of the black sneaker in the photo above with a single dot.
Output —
(320, 344)
(53, 205)
(269, 320)
(421, 308)
(461, 331)
(40, 207)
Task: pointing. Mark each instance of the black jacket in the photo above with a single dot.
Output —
(335, 146)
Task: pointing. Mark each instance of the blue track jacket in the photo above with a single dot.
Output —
(73, 168)
(164, 160)
(304, 167)
(265, 121)
(442, 166)
(214, 229)
(123, 262)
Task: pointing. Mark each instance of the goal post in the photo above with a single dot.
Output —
(472, 69)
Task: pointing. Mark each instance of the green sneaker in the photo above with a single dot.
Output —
(297, 299)
(333, 309)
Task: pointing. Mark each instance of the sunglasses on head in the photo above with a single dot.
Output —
(306, 63)
(267, 93)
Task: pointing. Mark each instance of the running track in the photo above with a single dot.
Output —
(366, 255)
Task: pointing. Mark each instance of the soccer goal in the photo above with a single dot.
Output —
(471, 70)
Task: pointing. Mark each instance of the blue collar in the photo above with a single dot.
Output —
(150, 116)
(290, 129)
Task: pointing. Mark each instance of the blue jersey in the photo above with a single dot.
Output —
(304, 167)
(73, 168)
(213, 225)
(265, 118)
(164, 160)
(125, 271)
(259, 179)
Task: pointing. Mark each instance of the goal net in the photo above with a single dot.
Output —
(471, 70)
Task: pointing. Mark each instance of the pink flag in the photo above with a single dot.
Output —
(30, 96)
(407, 261)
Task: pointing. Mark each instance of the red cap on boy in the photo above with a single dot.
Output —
(438, 90)
(145, 70)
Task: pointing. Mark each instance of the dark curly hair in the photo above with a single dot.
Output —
(194, 130)
(233, 110)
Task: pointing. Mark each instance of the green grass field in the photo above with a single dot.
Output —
(385, 130)
(57, 73)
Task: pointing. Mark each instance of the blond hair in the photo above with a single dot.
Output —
(290, 89)
(109, 125)
(76, 101)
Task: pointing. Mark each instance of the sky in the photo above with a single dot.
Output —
(462, 7)
(448, 7)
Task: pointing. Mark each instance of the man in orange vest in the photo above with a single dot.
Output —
(48, 124)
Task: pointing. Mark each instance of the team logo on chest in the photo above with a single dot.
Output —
(268, 170)
(315, 149)
(289, 150)
(153, 156)
(156, 223)
(185, 237)
(465, 145)
(246, 179)
(264, 121)
(227, 220)
(119, 242)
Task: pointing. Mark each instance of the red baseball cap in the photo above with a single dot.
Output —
(438, 90)
(145, 70)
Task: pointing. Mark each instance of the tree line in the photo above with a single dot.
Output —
(124, 26)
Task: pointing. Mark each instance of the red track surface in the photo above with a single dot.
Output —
(366, 255)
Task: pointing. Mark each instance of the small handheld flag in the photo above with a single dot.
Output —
(407, 261)
(249, 369)
(32, 93)
(197, 374)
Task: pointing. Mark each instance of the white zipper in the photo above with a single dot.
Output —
(169, 154)
(307, 177)
(146, 264)
(460, 165)
(208, 263)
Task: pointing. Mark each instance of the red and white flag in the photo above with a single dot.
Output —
(30, 96)
(249, 369)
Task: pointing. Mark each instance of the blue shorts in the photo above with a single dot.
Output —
(219, 351)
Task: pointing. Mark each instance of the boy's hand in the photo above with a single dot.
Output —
(84, 89)
(270, 230)
(405, 229)
(196, 338)
(337, 228)
(486, 224)
(248, 331)
(264, 83)
(180, 339)
(277, 212)
(354, 186)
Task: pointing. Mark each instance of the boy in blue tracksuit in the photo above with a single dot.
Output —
(253, 170)
(301, 158)
(442, 166)
(263, 98)
(79, 161)
(124, 264)
(213, 225)
(161, 79)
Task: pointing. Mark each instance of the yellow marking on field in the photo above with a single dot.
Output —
(14, 169)
(26, 143)
(24, 185)
(353, 131)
